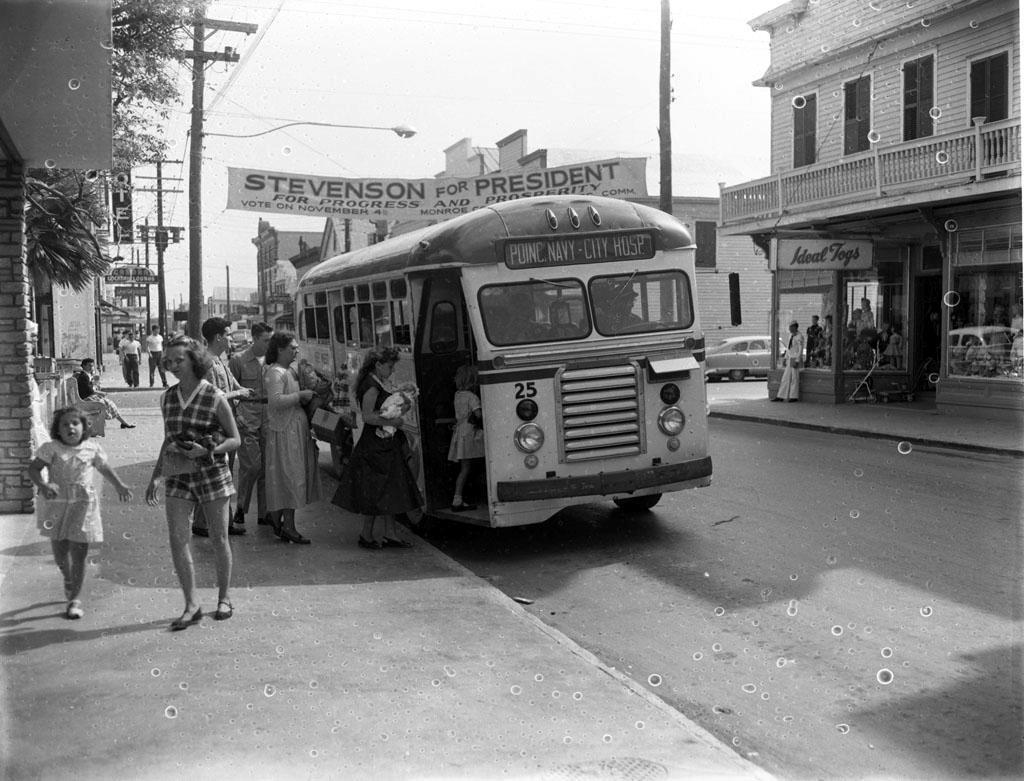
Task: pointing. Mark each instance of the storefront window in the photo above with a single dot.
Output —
(985, 304)
(874, 316)
(804, 295)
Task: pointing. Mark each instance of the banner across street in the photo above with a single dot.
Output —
(431, 199)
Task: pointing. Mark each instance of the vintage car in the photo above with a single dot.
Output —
(980, 350)
(739, 357)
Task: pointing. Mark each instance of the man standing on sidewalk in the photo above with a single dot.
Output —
(155, 348)
(251, 414)
(215, 331)
(131, 351)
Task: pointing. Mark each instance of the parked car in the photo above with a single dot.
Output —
(240, 340)
(739, 357)
(979, 349)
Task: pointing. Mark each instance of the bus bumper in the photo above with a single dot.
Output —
(604, 483)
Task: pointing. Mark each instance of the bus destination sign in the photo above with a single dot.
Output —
(569, 250)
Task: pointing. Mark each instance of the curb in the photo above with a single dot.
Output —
(917, 441)
(502, 600)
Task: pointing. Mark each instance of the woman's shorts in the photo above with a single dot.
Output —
(209, 483)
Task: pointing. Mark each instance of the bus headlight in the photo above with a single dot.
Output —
(671, 421)
(529, 437)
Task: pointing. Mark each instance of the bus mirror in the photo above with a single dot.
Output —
(734, 298)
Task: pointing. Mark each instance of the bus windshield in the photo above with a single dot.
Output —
(541, 310)
(641, 303)
(553, 310)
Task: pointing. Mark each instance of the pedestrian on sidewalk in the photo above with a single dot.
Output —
(70, 516)
(131, 351)
(215, 331)
(155, 348)
(789, 385)
(293, 475)
(199, 431)
(377, 480)
(88, 390)
(251, 417)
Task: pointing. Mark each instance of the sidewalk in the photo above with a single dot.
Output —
(338, 663)
(915, 424)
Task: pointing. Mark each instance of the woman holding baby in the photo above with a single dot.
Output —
(292, 476)
(378, 481)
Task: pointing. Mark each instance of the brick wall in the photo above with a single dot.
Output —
(16, 491)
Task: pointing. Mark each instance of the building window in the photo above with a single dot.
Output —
(990, 91)
(918, 97)
(804, 295)
(857, 114)
(706, 239)
(805, 122)
(875, 316)
(985, 304)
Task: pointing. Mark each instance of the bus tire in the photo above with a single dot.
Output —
(737, 375)
(638, 503)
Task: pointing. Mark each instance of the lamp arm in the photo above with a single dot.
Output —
(401, 131)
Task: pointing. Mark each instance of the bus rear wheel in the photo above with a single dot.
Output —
(638, 503)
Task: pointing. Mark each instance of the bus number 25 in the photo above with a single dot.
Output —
(525, 390)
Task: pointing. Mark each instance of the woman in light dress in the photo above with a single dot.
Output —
(292, 477)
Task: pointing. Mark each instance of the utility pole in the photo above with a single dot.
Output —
(160, 236)
(200, 57)
(227, 272)
(665, 125)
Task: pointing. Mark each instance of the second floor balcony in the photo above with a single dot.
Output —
(979, 160)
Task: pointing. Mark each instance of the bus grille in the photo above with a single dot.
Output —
(601, 413)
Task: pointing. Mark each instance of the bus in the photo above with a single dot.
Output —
(580, 315)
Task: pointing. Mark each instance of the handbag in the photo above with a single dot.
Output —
(330, 426)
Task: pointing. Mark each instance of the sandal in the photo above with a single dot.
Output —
(74, 609)
(184, 621)
(369, 544)
(224, 615)
(391, 542)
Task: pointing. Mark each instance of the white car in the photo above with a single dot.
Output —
(739, 357)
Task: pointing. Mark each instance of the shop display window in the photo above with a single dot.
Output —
(984, 305)
(803, 295)
(874, 318)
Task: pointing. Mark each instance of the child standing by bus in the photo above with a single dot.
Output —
(71, 514)
(468, 438)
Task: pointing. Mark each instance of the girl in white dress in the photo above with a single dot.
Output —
(70, 516)
(468, 438)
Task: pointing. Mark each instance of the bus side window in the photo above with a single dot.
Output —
(360, 324)
(444, 335)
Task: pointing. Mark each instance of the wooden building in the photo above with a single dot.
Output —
(893, 210)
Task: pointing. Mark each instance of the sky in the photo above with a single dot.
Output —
(576, 74)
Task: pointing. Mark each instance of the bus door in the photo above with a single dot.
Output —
(443, 343)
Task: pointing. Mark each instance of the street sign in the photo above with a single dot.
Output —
(134, 275)
(129, 291)
(278, 298)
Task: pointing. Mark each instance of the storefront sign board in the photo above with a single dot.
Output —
(821, 255)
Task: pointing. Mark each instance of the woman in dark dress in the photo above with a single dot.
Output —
(377, 480)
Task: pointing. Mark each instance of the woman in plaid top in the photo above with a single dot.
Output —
(199, 431)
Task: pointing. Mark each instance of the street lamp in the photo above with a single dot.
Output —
(402, 131)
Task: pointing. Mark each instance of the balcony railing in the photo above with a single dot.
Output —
(973, 154)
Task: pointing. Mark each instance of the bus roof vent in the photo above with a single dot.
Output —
(574, 218)
(552, 219)
(595, 217)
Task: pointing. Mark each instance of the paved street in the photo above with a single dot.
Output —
(830, 607)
